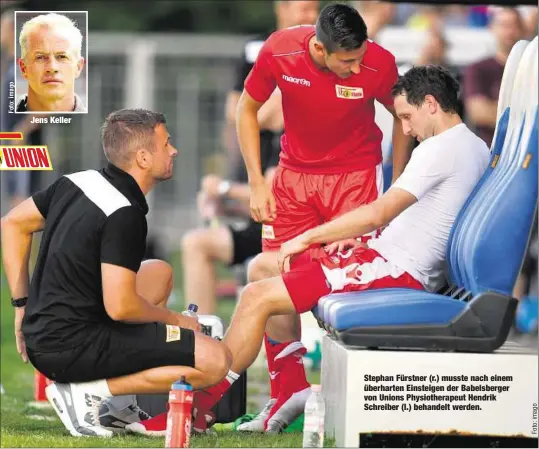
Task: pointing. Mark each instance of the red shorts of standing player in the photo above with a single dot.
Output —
(329, 76)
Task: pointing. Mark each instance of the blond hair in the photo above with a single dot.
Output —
(53, 21)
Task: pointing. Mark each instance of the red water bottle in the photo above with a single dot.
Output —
(40, 383)
(180, 401)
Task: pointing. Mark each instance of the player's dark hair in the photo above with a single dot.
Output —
(418, 82)
(340, 27)
(127, 130)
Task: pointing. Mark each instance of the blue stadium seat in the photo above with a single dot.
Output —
(485, 249)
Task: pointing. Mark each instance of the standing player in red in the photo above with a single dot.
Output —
(329, 76)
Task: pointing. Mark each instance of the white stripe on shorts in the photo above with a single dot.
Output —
(361, 274)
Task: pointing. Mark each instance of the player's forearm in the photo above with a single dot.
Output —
(360, 221)
(248, 131)
(16, 246)
(402, 149)
(137, 310)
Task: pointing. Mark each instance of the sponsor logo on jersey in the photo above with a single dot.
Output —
(349, 93)
(300, 81)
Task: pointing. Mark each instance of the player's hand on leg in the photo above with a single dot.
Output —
(19, 336)
(342, 245)
(262, 203)
(295, 246)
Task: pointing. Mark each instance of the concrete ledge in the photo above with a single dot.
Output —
(503, 396)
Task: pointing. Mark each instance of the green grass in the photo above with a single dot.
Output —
(26, 426)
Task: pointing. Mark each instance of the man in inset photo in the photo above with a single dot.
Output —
(50, 61)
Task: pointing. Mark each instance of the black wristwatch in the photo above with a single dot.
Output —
(20, 302)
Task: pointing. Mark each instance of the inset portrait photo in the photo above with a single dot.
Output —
(52, 71)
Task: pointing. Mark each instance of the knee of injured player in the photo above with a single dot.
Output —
(263, 266)
(260, 298)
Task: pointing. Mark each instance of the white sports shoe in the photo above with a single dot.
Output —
(288, 411)
(114, 415)
(77, 408)
(257, 424)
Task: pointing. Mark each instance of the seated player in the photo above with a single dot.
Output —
(416, 215)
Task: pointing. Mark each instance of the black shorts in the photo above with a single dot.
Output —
(247, 242)
(118, 349)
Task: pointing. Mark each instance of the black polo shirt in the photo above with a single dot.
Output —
(92, 217)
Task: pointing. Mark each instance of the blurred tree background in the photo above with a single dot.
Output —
(201, 16)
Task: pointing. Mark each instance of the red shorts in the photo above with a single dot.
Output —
(314, 274)
(307, 200)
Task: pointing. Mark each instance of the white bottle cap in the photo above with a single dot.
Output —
(316, 388)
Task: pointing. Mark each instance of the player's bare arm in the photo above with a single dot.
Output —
(402, 145)
(270, 116)
(17, 229)
(248, 129)
(360, 221)
(122, 303)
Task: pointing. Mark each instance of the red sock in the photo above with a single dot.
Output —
(203, 402)
(271, 352)
(289, 363)
(292, 378)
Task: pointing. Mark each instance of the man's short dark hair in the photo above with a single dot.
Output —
(418, 82)
(340, 27)
(127, 130)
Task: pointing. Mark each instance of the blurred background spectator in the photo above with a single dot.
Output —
(482, 79)
(529, 17)
(435, 49)
(436, 52)
(376, 15)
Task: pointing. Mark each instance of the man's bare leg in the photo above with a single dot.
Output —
(259, 301)
(279, 327)
(201, 249)
(283, 351)
(212, 359)
(154, 283)
(155, 280)
(212, 362)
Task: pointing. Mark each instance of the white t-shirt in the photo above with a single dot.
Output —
(441, 174)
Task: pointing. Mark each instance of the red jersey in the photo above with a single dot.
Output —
(329, 121)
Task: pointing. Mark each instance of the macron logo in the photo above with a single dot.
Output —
(300, 81)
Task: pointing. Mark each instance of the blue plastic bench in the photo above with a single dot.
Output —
(485, 248)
